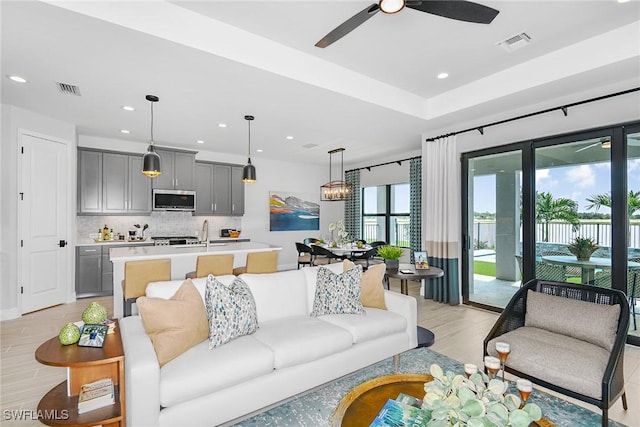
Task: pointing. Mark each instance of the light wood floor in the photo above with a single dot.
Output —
(459, 331)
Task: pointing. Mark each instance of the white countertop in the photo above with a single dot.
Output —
(91, 242)
(150, 252)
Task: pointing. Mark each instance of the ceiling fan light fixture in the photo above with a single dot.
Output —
(391, 6)
(151, 159)
(249, 171)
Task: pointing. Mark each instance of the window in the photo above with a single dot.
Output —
(385, 214)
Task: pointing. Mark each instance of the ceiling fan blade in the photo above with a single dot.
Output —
(458, 10)
(588, 146)
(349, 25)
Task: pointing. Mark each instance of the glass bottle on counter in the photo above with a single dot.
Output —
(99, 234)
(105, 233)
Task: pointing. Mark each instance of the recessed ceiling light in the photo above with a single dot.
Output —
(17, 79)
(443, 75)
(128, 108)
(222, 125)
(623, 1)
(259, 150)
(289, 137)
(200, 141)
(125, 131)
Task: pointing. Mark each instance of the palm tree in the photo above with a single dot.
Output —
(548, 209)
(599, 200)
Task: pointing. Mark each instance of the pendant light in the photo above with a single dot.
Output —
(338, 190)
(249, 171)
(151, 159)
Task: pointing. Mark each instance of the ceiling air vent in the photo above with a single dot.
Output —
(516, 42)
(309, 145)
(68, 89)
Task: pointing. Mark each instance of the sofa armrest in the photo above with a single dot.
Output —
(142, 374)
(407, 307)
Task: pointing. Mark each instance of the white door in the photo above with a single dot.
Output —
(42, 223)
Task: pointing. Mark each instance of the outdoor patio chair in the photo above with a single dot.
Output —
(545, 340)
(544, 271)
(569, 271)
(603, 280)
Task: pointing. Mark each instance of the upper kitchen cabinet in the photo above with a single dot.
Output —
(178, 170)
(219, 189)
(112, 183)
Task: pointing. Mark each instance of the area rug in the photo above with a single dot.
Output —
(315, 408)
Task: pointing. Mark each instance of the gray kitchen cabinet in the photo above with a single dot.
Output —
(89, 182)
(88, 270)
(178, 170)
(106, 279)
(112, 183)
(219, 189)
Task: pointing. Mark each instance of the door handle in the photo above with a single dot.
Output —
(62, 243)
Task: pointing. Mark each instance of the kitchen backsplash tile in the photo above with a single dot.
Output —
(160, 224)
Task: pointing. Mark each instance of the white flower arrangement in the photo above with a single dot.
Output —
(455, 400)
(339, 226)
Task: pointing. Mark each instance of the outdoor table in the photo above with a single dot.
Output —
(588, 267)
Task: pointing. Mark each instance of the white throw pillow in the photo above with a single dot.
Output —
(231, 311)
(338, 293)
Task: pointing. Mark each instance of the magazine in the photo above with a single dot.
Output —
(398, 414)
(93, 335)
(421, 260)
(409, 400)
(97, 394)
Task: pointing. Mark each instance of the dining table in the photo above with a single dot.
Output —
(588, 267)
(347, 250)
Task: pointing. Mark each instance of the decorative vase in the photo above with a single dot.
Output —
(95, 313)
(69, 334)
(584, 257)
(392, 263)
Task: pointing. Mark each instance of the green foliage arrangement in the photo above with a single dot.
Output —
(582, 248)
(390, 252)
(454, 400)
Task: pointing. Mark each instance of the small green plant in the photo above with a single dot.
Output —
(390, 252)
(582, 248)
(476, 401)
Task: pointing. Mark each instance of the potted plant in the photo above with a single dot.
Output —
(582, 248)
(391, 255)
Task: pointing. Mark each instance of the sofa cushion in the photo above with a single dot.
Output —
(174, 325)
(311, 275)
(377, 323)
(167, 288)
(567, 362)
(231, 311)
(286, 287)
(302, 339)
(338, 293)
(371, 286)
(562, 316)
(200, 371)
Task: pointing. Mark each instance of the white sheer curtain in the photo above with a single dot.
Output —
(441, 210)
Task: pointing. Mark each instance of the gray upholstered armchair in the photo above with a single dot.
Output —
(566, 337)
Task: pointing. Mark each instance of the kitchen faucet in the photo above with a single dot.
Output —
(205, 231)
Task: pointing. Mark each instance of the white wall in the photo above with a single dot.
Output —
(273, 175)
(14, 120)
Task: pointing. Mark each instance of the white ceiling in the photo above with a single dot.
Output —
(374, 92)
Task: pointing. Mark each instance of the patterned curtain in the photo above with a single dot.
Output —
(352, 205)
(442, 217)
(415, 206)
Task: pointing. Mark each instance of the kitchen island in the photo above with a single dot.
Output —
(183, 260)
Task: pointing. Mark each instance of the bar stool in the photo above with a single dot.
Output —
(218, 265)
(259, 262)
(138, 274)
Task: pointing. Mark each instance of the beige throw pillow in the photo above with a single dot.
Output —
(176, 324)
(372, 289)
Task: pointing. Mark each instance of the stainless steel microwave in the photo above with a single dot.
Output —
(174, 200)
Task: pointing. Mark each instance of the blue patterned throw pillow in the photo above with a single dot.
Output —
(338, 293)
(231, 311)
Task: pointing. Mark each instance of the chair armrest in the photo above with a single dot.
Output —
(407, 307)
(142, 374)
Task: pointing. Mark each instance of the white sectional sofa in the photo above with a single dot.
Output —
(291, 352)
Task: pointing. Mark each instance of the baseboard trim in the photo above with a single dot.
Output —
(9, 313)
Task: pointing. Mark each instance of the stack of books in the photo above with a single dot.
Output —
(97, 394)
(404, 411)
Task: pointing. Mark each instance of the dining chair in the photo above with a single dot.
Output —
(138, 274)
(378, 243)
(259, 263)
(366, 259)
(305, 254)
(218, 265)
(322, 256)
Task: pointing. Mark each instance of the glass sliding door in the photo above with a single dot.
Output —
(493, 228)
(633, 237)
(573, 211)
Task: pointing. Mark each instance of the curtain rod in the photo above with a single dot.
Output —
(399, 162)
(563, 108)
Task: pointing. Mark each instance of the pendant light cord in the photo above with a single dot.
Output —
(151, 123)
(249, 153)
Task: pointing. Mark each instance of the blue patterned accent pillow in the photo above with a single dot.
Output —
(231, 311)
(338, 293)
